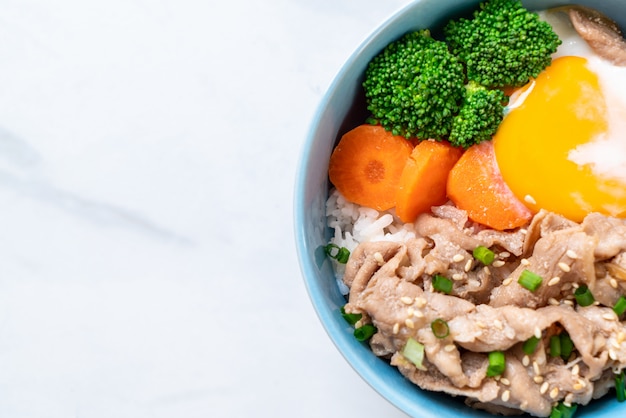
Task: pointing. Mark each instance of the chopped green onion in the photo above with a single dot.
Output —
(496, 363)
(340, 254)
(583, 296)
(555, 346)
(620, 306)
(442, 284)
(567, 345)
(365, 332)
(414, 352)
(484, 255)
(530, 280)
(620, 389)
(563, 411)
(440, 328)
(351, 318)
(530, 345)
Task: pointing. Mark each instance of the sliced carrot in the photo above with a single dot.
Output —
(476, 186)
(424, 177)
(366, 166)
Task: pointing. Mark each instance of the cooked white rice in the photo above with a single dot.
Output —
(353, 224)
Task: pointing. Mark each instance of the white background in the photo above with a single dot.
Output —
(148, 151)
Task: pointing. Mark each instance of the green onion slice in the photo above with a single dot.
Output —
(555, 346)
(484, 255)
(562, 411)
(496, 363)
(530, 345)
(620, 306)
(567, 345)
(351, 318)
(414, 352)
(440, 328)
(530, 280)
(442, 284)
(620, 388)
(365, 332)
(583, 296)
(341, 254)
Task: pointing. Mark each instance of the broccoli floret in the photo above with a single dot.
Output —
(415, 86)
(504, 44)
(480, 115)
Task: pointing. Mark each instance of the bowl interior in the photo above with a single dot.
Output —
(341, 109)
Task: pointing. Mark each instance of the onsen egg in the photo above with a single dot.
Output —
(562, 145)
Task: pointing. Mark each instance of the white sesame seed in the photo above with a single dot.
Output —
(529, 199)
(523, 405)
(615, 344)
(409, 323)
(458, 258)
(553, 302)
(449, 348)
(612, 354)
(507, 281)
(418, 314)
(554, 393)
(569, 302)
(524, 262)
(457, 276)
(498, 324)
(396, 328)
(536, 367)
(554, 280)
(358, 324)
(577, 386)
(613, 283)
(468, 265)
(572, 254)
(575, 370)
(568, 400)
(537, 332)
(505, 381)
(621, 337)
(486, 269)
(506, 395)
(420, 302)
(544, 388)
(575, 285)
(538, 379)
(609, 316)
(523, 231)
(379, 258)
(407, 300)
(582, 382)
(480, 324)
(498, 263)
(504, 254)
(563, 266)
(410, 311)
(526, 361)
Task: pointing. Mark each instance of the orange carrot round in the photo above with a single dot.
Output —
(476, 186)
(424, 177)
(366, 166)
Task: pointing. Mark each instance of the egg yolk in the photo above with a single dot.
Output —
(562, 109)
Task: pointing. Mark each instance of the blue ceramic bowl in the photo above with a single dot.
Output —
(341, 109)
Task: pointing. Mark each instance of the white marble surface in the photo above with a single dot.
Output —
(148, 150)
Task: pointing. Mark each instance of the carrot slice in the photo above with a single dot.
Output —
(476, 186)
(424, 177)
(366, 166)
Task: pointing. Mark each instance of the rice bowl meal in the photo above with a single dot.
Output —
(478, 212)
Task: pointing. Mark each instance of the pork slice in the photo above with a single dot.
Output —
(610, 233)
(544, 223)
(567, 254)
